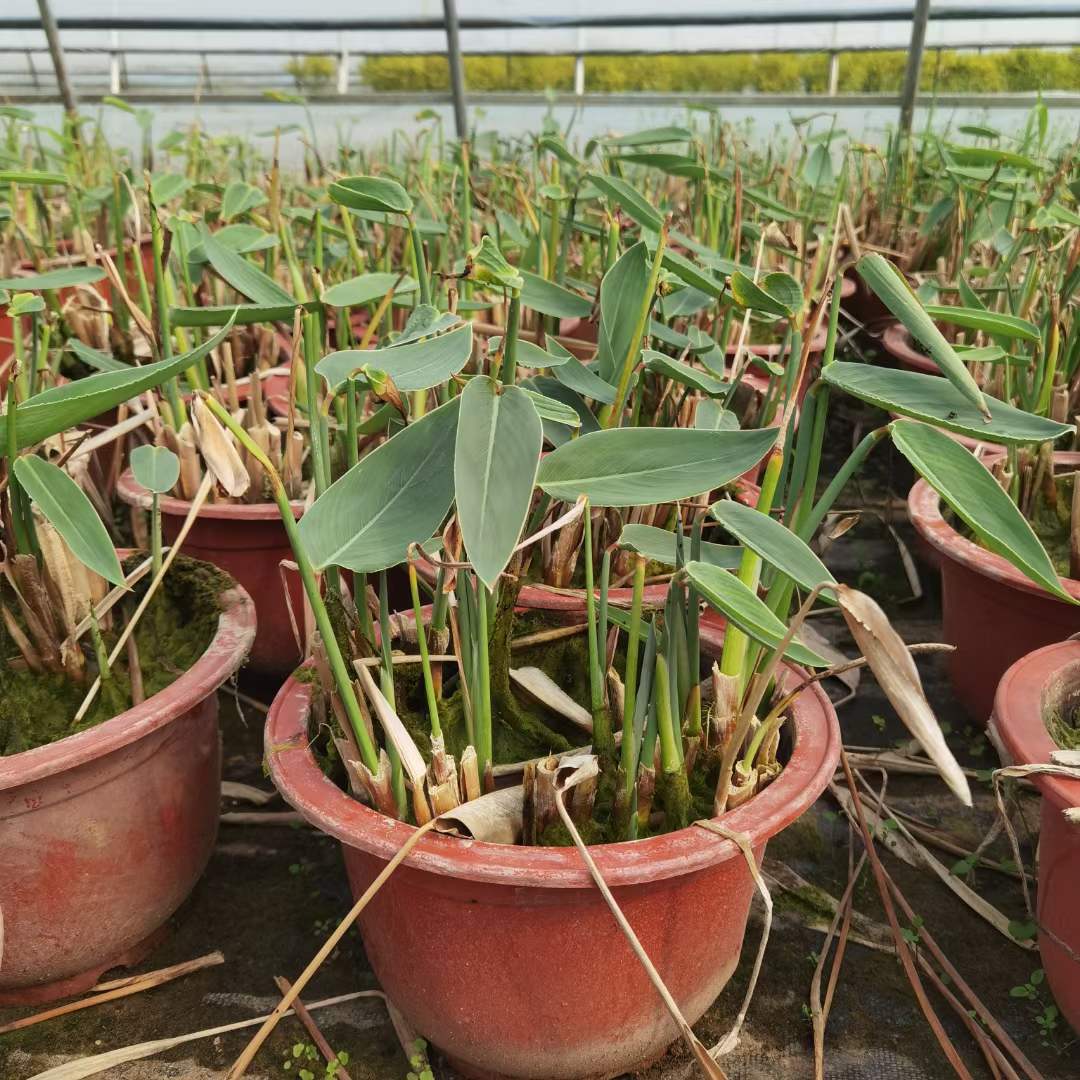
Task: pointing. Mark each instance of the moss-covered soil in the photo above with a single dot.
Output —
(172, 634)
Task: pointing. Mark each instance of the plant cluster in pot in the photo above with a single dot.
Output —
(109, 746)
(444, 734)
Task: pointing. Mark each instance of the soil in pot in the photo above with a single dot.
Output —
(174, 631)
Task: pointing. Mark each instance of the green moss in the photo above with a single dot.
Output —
(172, 634)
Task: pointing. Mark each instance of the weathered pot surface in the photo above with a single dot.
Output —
(990, 611)
(249, 542)
(507, 958)
(106, 832)
(1046, 681)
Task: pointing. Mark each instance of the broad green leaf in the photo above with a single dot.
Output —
(938, 402)
(499, 438)
(245, 314)
(573, 373)
(246, 278)
(894, 292)
(672, 164)
(490, 266)
(54, 279)
(419, 365)
(642, 466)
(393, 497)
(371, 193)
(25, 303)
(990, 322)
(32, 177)
(778, 294)
(94, 358)
(712, 416)
(367, 288)
(684, 374)
(530, 355)
(774, 543)
(550, 299)
(71, 513)
(554, 432)
(239, 198)
(634, 205)
(684, 269)
(61, 407)
(977, 498)
(168, 186)
(989, 156)
(157, 468)
(425, 321)
(651, 137)
(622, 293)
(242, 238)
(658, 545)
(742, 606)
(548, 408)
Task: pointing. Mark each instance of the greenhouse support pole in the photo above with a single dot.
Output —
(52, 36)
(920, 17)
(457, 73)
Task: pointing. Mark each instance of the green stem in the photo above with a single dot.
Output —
(513, 323)
(733, 657)
(630, 682)
(421, 264)
(155, 533)
(482, 701)
(612, 413)
(425, 660)
(338, 668)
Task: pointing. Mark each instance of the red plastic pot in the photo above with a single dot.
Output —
(1048, 679)
(507, 958)
(248, 541)
(989, 610)
(107, 831)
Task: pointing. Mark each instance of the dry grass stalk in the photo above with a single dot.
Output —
(122, 988)
(902, 950)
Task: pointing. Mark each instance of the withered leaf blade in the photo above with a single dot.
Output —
(218, 450)
(891, 662)
(412, 760)
(496, 818)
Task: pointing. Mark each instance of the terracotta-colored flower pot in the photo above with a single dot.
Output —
(507, 958)
(106, 832)
(990, 611)
(1045, 681)
(247, 541)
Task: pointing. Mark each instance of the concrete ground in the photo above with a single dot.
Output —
(272, 893)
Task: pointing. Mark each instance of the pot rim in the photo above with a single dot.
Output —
(924, 510)
(134, 494)
(1017, 719)
(223, 656)
(320, 801)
